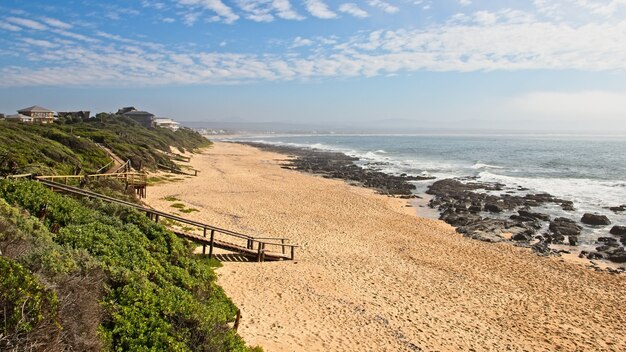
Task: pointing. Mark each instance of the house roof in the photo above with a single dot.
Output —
(34, 108)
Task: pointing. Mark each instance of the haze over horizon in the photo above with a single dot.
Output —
(540, 65)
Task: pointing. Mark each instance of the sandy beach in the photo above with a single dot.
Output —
(370, 275)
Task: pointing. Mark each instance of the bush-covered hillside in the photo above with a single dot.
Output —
(69, 147)
(84, 275)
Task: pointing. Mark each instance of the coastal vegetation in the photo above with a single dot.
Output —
(80, 274)
(72, 146)
(87, 275)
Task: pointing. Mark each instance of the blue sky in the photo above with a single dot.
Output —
(538, 64)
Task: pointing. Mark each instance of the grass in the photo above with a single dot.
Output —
(171, 199)
(182, 207)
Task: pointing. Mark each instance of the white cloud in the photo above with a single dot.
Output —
(465, 2)
(560, 9)
(56, 23)
(485, 17)
(284, 10)
(500, 40)
(23, 22)
(9, 27)
(385, 6)
(319, 9)
(257, 10)
(353, 9)
(224, 13)
(300, 42)
(39, 42)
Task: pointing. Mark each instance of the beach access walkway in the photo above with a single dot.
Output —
(260, 248)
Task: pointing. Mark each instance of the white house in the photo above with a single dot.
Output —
(166, 123)
(19, 118)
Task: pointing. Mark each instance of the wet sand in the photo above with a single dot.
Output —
(370, 275)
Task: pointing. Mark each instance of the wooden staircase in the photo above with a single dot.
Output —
(259, 248)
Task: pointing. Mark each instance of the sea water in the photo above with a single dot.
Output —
(590, 171)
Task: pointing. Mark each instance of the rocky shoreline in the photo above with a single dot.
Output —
(469, 206)
(341, 166)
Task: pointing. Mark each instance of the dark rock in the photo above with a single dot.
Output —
(594, 255)
(541, 248)
(339, 165)
(522, 237)
(529, 214)
(573, 240)
(564, 227)
(618, 208)
(567, 205)
(595, 219)
(618, 257)
(493, 208)
(618, 230)
(607, 240)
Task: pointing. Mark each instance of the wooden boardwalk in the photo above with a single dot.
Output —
(260, 248)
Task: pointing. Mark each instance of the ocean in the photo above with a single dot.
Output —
(590, 171)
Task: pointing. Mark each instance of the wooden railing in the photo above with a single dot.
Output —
(133, 178)
(212, 236)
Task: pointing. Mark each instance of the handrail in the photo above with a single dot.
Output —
(105, 166)
(262, 241)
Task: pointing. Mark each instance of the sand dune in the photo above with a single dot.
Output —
(371, 276)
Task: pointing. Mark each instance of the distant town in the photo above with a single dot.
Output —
(39, 115)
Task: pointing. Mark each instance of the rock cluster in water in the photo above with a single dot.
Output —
(462, 202)
(339, 165)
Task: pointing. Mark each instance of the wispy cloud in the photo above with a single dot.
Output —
(39, 42)
(9, 27)
(53, 22)
(353, 9)
(26, 23)
(319, 9)
(284, 10)
(222, 11)
(504, 39)
(385, 6)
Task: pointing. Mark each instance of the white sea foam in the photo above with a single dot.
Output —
(486, 166)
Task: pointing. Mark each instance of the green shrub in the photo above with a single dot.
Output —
(159, 296)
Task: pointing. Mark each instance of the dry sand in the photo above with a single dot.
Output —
(371, 276)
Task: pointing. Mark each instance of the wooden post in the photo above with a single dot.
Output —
(260, 252)
(156, 218)
(293, 252)
(204, 245)
(211, 246)
(237, 319)
(282, 240)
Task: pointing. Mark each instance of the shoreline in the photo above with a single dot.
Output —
(371, 275)
(451, 202)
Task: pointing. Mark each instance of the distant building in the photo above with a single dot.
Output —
(39, 114)
(166, 123)
(143, 118)
(75, 115)
(19, 118)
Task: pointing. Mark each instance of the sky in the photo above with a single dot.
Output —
(456, 64)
